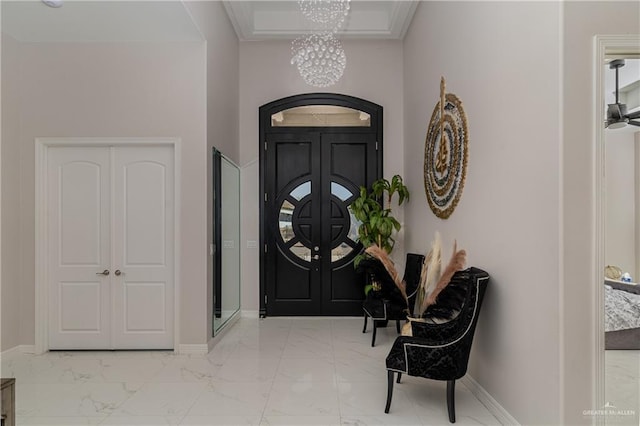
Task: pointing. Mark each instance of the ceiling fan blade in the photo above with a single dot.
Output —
(633, 115)
(635, 123)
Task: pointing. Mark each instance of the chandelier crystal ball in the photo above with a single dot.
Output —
(328, 14)
(320, 59)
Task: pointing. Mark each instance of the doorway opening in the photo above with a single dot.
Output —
(316, 151)
(614, 366)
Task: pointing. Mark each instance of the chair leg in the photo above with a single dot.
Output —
(389, 390)
(373, 337)
(399, 377)
(364, 329)
(451, 396)
(398, 326)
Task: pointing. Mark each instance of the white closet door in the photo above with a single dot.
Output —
(79, 248)
(111, 209)
(143, 249)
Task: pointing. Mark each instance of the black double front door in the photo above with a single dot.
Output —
(311, 178)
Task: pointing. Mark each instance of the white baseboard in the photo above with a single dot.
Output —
(488, 401)
(10, 353)
(17, 350)
(250, 314)
(193, 349)
(28, 349)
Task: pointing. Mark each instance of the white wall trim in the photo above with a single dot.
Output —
(28, 349)
(10, 354)
(177, 243)
(16, 351)
(488, 401)
(636, 156)
(193, 349)
(603, 45)
(41, 273)
(1, 186)
(562, 308)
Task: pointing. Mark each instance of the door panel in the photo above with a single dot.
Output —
(293, 230)
(143, 249)
(79, 247)
(144, 212)
(311, 179)
(110, 209)
(349, 161)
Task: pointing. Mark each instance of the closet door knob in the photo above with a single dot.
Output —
(117, 272)
(105, 272)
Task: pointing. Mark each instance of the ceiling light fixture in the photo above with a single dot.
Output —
(319, 56)
(320, 59)
(53, 3)
(329, 14)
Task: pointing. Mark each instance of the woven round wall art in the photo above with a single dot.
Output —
(445, 154)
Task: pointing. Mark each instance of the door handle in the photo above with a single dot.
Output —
(105, 272)
(118, 272)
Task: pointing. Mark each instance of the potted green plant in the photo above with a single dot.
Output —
(373, 209)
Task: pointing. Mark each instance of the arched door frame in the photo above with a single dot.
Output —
(265, 113)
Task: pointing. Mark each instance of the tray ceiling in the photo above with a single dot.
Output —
(169, 20)
(265, 19)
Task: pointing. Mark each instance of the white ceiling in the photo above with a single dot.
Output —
(267, 19)
(98, 21)
(169, 20)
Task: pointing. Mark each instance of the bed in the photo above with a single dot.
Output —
(622, 315)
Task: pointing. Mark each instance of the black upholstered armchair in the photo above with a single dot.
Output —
(441, 351)
(389, 304)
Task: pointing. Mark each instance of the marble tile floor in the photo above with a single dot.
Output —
(275, 371)
(622, 387)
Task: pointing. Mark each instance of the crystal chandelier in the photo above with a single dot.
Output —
(319, 56)
(329, 14)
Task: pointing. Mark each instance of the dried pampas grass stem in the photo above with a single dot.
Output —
(388, 264)
(456, 263)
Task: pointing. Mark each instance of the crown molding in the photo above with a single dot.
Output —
(266, 20)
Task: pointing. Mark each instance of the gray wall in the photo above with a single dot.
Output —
(502, 63)
(187, 90)
(114, 90)
(222, 103)
(10, 155)
(582, 21)
(620, 204)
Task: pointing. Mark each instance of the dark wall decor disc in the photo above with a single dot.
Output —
(445, 154)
